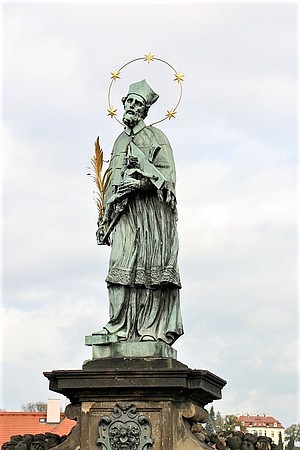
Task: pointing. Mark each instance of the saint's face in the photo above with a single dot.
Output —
(134, 110)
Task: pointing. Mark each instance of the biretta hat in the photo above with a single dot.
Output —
(143, 89)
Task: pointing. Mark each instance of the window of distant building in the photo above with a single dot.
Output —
(272, 434)
(275, 424)
(260, 432)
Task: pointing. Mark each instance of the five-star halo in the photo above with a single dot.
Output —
(178, 77)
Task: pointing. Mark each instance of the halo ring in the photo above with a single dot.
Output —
(112, 112)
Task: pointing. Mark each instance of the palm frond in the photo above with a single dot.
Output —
(101, 180)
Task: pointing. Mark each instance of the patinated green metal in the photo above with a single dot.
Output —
(140, 224)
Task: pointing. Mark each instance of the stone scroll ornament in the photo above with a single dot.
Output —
(125, 429)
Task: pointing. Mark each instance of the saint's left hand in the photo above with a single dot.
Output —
(128, 185)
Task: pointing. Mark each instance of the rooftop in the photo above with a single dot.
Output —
(260, 421)
(20, 423)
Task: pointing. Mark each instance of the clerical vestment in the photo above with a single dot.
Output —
(143, 277)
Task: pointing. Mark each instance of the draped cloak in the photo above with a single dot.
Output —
(143, 277)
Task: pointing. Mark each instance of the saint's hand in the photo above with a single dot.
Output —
(100, 233)
(128, 185)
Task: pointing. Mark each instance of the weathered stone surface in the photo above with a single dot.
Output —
(130, 379)
(147, 403)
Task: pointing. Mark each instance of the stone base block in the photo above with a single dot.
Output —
(103, 348)
(140, 425)
(136, 404)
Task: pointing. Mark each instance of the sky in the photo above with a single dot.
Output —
(234, 139)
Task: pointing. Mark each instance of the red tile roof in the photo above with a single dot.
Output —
(260, 421)
(13, 423)
(64, 427)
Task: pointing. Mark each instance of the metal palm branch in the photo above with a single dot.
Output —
(101, 180)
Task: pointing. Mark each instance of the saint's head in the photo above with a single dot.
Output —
(137, 103)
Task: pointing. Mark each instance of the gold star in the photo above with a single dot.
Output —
(115, 75)
(171, 114)
(112, 111)
(178, 77)
(149, 57)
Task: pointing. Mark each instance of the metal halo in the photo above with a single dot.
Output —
(112, 111)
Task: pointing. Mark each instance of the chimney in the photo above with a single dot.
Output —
(53, 410)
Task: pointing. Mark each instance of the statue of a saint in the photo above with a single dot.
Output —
(140, 216)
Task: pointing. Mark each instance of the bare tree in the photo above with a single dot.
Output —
(34, 407)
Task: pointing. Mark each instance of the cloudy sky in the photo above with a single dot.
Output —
(234, 141)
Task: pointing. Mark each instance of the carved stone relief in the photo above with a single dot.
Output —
(125, 429)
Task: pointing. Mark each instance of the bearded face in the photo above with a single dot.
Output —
(134, 110)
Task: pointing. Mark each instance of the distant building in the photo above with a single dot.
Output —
(263, 425)
(20, 423)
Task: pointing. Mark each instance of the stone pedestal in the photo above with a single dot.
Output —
(136, 403)
(106, 346)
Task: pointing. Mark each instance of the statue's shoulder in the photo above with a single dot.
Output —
(155, 130)
(159, 135)
(119, 142)
(121, 137)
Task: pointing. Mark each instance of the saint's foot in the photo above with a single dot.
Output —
(147, 337)
(102, 332)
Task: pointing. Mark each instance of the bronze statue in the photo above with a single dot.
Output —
(140, 225)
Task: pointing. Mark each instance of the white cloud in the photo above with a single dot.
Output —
(266, 319)
(53, 326)
(234, 145)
